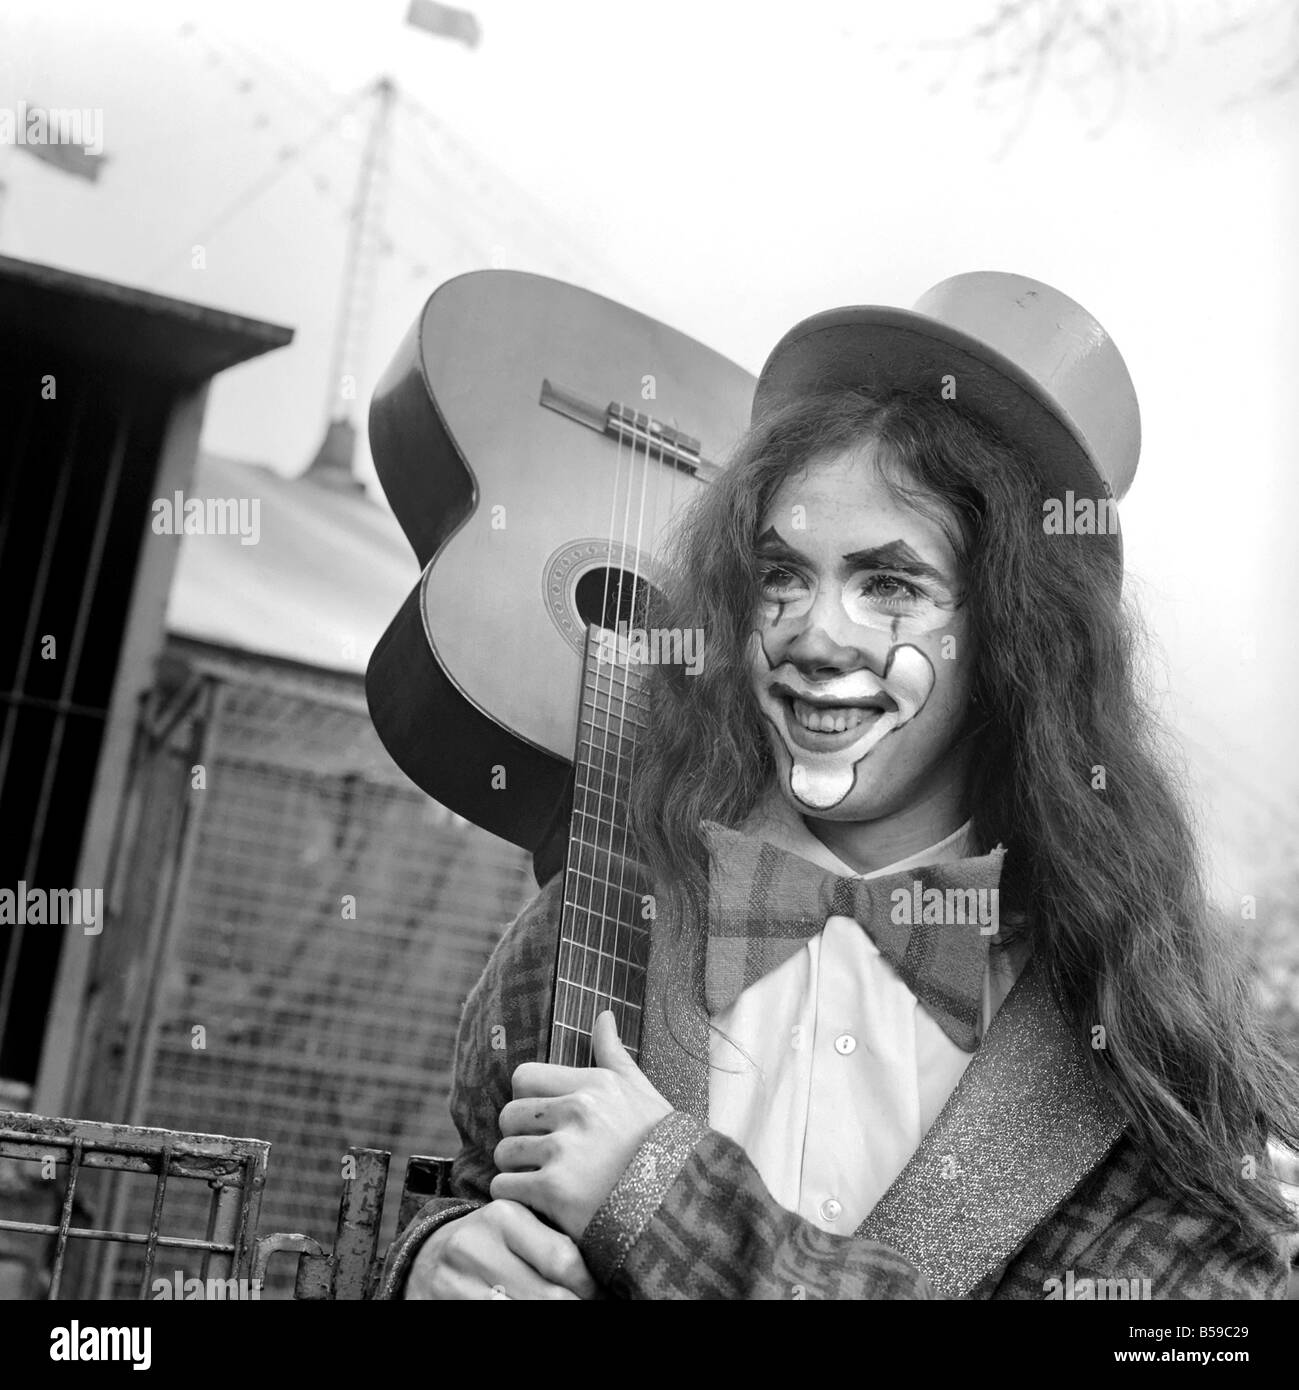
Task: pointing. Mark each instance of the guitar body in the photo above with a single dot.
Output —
(535, 441)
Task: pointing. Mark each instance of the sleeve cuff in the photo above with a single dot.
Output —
(407, 1245)
(638, 1194)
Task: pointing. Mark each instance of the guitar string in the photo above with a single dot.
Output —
(619, 988)
(595, 703)
(607, 720)
(564, 1005)
(620, 960)
(625, 847)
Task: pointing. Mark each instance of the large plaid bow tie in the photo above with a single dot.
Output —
(765, 903)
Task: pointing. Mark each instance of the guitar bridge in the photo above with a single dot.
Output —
(622, 423)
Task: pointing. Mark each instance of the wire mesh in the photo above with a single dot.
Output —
(328, 926)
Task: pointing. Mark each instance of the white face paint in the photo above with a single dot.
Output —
(864, 606)
(821, 778)
(860, 636)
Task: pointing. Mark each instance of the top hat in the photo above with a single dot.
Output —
(1022, 356)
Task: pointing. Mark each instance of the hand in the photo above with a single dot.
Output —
(571, 1131)
(499, 1251)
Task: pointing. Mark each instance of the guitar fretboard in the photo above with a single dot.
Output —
(604, 932)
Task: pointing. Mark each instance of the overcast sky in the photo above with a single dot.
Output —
(731, 168)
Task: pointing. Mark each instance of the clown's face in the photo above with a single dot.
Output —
(862, 657)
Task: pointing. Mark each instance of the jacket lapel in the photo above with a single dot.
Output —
(1024, 1126)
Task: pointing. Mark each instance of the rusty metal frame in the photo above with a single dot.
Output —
(235, 1170)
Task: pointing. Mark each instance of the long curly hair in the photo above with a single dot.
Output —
(1107, 880)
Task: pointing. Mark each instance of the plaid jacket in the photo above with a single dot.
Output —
(1026, 1186)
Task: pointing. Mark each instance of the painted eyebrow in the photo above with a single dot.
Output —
(892, 555)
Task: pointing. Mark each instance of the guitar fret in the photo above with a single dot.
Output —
(636, 696)
(603, 944)
(601, 994)
(593, 884)
(602, 954)
(592, 711)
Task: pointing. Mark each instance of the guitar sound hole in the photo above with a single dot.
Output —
(612, 596)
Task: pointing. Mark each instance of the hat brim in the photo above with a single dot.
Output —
(875, 346)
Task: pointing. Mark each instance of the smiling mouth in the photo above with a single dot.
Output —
(818, 727)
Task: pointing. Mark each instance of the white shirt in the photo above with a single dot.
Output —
(834, 1069)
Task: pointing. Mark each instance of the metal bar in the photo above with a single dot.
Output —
(176, 708)
(135, 1139)
(210, 1230)
(311, 1283)
(72, 664)
(44, 1228)
(360, 1213)
(139, 1059)
(68, 707)
(155, 1219)
(18, 452)
(250, 1207)
(223, 1230)
(426, 1177)
(65, 1220)
(41, 579)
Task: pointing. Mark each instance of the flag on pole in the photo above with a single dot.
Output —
(72, 159)
(445, 21)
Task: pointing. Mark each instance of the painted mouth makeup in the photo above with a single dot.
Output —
(829, 730)
(820, 726)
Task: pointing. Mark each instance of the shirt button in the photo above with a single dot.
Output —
(831, 1209)
(845, 1043)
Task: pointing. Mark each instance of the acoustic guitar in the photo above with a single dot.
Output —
(536, 442)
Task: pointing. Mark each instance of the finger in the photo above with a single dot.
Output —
(515, 1278)
(551, 1253)
(533, 1079)
(607, 1046)
(532, 1116)
(524, 1187)
(521, 1153)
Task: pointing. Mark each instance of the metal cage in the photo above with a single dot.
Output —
(62, 1255)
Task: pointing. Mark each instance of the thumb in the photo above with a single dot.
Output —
(607, 1046)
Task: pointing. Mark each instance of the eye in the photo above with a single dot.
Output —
(776, 579)
(891, 590)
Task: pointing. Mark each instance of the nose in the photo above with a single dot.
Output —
(824, 644)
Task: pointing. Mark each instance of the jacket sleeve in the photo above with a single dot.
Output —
(503, 1025)
(691, 1219)
(1176, 1253)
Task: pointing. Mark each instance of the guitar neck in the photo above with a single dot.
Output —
(604, 928)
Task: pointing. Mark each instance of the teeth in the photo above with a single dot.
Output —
(830, 720)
